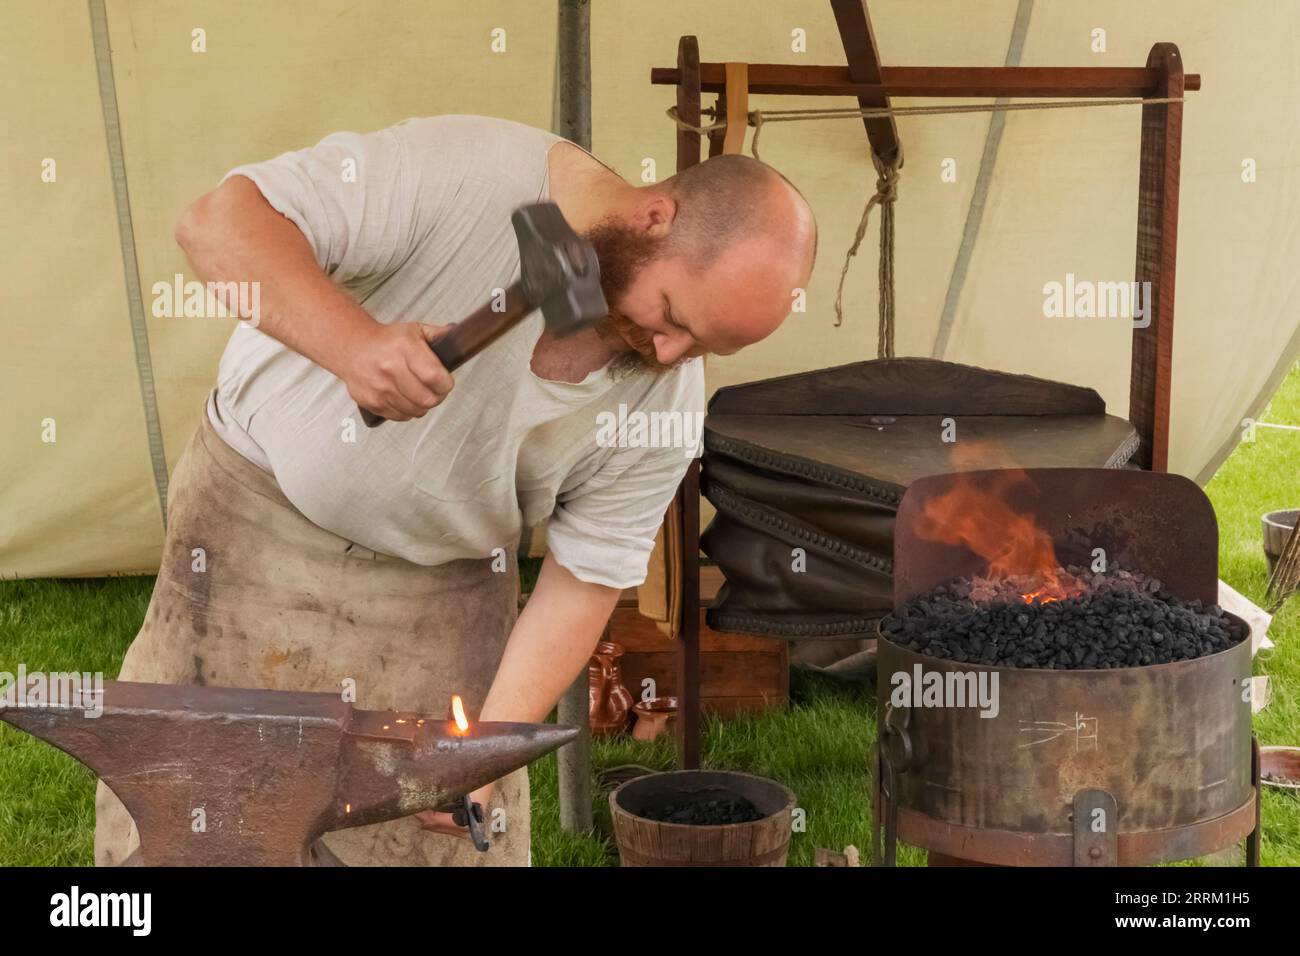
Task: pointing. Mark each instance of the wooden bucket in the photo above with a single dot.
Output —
(1277, 528)
(645, 842)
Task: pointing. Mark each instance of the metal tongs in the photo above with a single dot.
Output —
(469, 813)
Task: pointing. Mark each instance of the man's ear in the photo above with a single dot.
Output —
(655, 216)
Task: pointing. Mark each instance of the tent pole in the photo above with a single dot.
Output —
(573, 60)
(688, 492)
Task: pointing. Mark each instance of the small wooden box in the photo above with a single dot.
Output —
(739, 673)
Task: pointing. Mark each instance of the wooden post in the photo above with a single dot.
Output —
(688, 101)
(688, 492)
(1157, 250)
(864, 67)
(573, 55)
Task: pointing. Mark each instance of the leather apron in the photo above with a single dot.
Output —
(252, 594)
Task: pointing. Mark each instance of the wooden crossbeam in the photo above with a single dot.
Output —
(982, 82)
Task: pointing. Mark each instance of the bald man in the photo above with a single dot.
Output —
(305, 552)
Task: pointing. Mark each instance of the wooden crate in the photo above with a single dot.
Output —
(738, 673)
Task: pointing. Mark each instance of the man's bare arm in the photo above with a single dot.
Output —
(548, 648)
(550, 644)
(233, 234)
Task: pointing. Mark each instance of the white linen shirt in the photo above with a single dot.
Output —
(414, 221)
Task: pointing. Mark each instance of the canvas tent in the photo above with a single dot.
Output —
(115, 98)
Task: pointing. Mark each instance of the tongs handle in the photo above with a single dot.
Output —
(470, 814)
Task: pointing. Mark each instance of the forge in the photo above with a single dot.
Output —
(218, 776)
(1121, 763)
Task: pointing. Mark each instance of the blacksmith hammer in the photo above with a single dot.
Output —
(558, 273)
(216, 776)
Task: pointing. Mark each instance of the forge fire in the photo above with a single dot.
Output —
(1100, 621)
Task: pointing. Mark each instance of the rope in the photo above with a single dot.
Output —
(887, 176)
(884, 197)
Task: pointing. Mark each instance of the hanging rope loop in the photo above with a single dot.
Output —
(885, 196)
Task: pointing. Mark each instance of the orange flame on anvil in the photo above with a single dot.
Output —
(458, 714)
(977, 514)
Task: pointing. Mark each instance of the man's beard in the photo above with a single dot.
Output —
(622, 253)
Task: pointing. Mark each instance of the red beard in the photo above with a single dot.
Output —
(622, 253)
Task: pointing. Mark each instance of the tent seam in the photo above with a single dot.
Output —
(126, 236)
(983, 179)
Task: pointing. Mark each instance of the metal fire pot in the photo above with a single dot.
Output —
(1126, 766)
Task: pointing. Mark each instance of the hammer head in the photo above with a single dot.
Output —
(559, 269)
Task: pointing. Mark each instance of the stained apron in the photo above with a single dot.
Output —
(281, 604)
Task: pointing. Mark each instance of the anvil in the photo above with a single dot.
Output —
(228, 777)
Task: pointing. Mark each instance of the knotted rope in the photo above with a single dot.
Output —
(887, 176)
(885, 195)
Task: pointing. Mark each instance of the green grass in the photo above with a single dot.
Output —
(47, 799)
(818, 746)
(1262, 476)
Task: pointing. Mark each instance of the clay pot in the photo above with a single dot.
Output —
(1277, 528)
(609, 703)
(653, 717)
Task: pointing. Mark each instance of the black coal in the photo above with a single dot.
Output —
(1121, 619)
(704, 808)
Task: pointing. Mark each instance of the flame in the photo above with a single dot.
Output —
(458, 713)
(1041, 596)
(976, 514)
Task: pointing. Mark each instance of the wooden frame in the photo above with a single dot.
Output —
(873, 84)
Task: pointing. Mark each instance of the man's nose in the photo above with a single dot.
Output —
(669, 348)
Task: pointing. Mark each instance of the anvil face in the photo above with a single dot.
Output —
(224, 776)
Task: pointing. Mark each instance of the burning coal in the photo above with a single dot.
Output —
(1118, 619)
(1025, 609)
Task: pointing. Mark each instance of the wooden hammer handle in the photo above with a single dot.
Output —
(474, 333)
